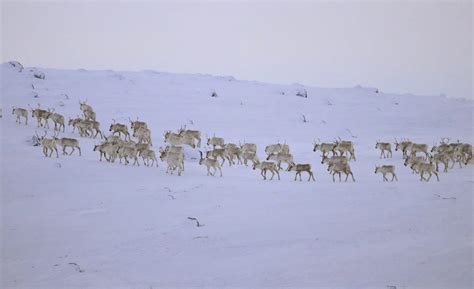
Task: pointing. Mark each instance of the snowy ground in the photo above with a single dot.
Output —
(127, 227)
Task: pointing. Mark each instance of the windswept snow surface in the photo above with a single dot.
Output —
(74, 222)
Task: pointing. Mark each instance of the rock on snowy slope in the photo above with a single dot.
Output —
(16, 65)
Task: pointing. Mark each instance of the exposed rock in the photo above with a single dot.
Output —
(38, 74)
(16, 65)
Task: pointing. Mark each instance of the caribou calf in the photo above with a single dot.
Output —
(384, 170)
(299, 168)
(20, 112)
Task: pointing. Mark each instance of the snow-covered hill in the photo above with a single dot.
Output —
(75, 222)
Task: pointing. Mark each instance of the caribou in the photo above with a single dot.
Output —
(176, 139)
(281, 157)
(210, 163)
(135, 125)
(266, 166)
(191, 134)
(48, 144)
(384, 170)
(384, 146)
(173, 159)
(325, 148)
(128, 151)
(428, 168)
(40, 115)
(248, 147)
(144, 135)
(215, 141)
(105, 149)
(299, 168)
(413, 148)
(68, 142)
(120, 129)
(232, 151)
(338, 168)
(277, 148)
(148, 155)
(412, 161)
(402, 146)
(57, 119)
(218, 153)
(87, 110)
(20, 112)
(345, 146)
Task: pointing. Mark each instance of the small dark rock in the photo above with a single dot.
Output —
(39, 74)
(17, 65)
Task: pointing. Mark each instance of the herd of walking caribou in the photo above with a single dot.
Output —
(336, 155)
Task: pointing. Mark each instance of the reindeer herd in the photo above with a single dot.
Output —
(337, 155)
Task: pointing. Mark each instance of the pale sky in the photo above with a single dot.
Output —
(421, 47)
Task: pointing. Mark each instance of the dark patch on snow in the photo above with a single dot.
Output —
(16, 65)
